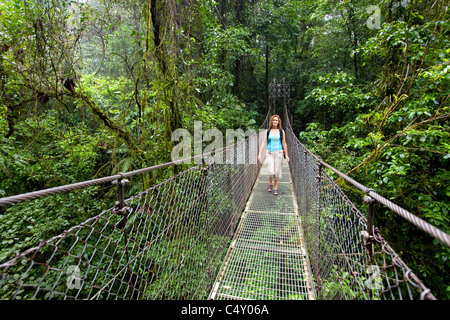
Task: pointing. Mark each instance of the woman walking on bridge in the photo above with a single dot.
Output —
(276, 147)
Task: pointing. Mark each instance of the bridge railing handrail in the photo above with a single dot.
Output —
(84, 184)
(418, 222)
(80, 185)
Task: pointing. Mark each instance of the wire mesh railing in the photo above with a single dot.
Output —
(348, 259)
(166, 242)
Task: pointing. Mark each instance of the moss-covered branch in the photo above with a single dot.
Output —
(96, 110)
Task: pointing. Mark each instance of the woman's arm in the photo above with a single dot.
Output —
(261, 147)
(285, 146)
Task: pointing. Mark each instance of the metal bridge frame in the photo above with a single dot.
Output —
(117, 227)
(280, 90)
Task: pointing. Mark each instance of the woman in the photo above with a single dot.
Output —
(276, 143)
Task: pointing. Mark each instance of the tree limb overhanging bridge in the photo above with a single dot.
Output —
(214, 232)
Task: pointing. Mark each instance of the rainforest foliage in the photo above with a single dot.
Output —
(95, 87)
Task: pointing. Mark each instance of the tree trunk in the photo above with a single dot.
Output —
(161, 15)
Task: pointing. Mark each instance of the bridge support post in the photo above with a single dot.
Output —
(368, 234)
(306, 184)
(122, 210)
(120, 204)
(318, 221)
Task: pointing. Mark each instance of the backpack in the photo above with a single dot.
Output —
(281, 139)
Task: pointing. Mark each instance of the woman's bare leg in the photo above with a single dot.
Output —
(270, 188)
(275, 186)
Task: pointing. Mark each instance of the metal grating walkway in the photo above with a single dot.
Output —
(267, 258)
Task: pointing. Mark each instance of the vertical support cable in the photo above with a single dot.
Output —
(368, 234)
(306, 185)
(122, 210)
(120, 204)
(318, 220)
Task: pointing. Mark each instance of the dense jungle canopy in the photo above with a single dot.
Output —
(89, 88)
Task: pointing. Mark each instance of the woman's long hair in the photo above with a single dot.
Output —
(271, 122)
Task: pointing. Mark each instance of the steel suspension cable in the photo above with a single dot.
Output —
(418, 222)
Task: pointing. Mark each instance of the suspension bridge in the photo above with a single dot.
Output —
(213, 231)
